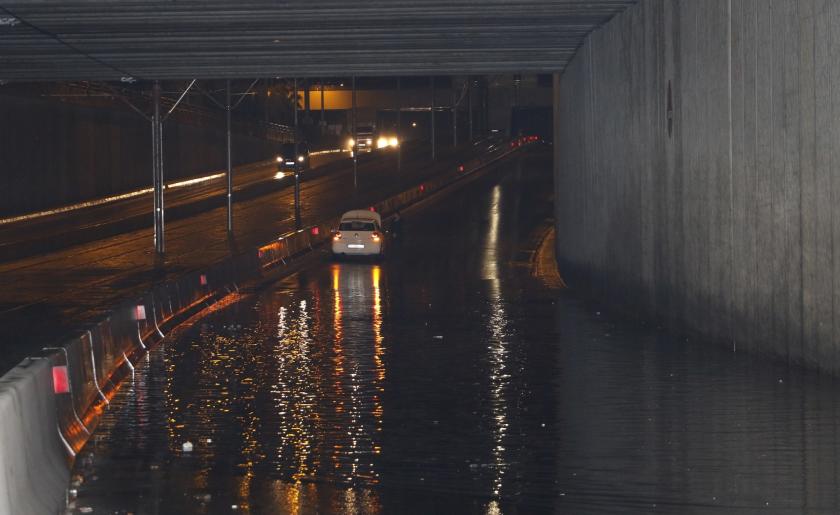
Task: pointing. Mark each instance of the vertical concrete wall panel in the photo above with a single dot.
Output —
(742, 170)
(791, 206)
(766, 279)
(833, 109)
(727, 223)
(808, 182)
(819, 270)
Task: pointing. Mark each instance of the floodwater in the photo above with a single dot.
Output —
(448, 379)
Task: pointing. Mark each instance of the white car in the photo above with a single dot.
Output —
(359, 234)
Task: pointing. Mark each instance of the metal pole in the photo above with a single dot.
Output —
(433, 116)
(355, 138)
(454, 119)
(399, 124)
(297, 163)
(229, 162)
(307, 106)
(515, 90)
(298, 222)
(485, 114)
(470, 106)
(157, 168)
(323, 117)
(295, 102)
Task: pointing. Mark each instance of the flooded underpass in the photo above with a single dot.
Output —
(449, 378)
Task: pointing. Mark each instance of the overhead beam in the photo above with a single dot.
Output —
(160, 39)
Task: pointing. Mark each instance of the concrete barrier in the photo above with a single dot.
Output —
(34, 470)
(50, 406)
(73, 431)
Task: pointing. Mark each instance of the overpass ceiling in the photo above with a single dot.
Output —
(45, 40)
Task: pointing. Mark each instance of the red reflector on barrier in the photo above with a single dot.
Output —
(461, 168)
(315, 231)
(60, 382)
(422, 188)
(203, 280)
(140, 312)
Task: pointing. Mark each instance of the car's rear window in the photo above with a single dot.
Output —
(357, 225)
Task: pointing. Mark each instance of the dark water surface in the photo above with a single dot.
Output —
(447, 380)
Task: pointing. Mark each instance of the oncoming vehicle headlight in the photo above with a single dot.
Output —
(382, 143)
(369, 141)
(300, 159)
(351, 142)
(393, 142)
(279, 159)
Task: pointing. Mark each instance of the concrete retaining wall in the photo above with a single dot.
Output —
(54, 154)
(721, 213)
(49, 407)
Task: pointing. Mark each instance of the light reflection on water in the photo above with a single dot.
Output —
(292, 395)
(497, 341)
(332, 394)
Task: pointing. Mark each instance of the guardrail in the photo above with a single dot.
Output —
(51, 406)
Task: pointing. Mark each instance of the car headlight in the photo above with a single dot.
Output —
(393, 142)
(351, 142)
(300, 159)
(279, 159)
(382, 143)
(369, 141)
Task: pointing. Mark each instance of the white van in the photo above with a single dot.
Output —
(359, 234)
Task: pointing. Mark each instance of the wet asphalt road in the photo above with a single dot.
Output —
(55, 295)
(449, 379)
